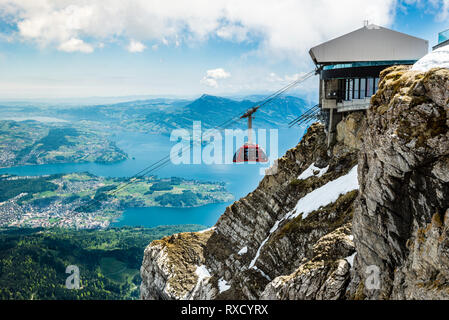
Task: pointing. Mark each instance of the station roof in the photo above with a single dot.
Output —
(370, 43)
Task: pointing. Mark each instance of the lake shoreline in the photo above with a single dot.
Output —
(145, 149)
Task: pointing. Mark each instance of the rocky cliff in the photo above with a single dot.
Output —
(307, 232)
(264, 236)
(401, 219)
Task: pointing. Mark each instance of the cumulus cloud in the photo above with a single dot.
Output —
(286, 28)
(74, 45)
(213, 75)
(219, 73)
(136, 46)
(444, 12)
(233, 33)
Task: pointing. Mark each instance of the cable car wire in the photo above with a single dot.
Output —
(167, 159)
(308, 115)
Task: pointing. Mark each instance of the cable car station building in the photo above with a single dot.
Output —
(349, 68)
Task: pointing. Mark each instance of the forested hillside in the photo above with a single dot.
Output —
(33, 261)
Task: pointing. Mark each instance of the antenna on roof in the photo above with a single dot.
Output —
(365, 23)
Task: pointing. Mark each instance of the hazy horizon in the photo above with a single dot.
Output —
(123, 99)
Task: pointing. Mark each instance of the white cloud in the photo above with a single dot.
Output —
(136, 46)
(285, 29)
(74, 45)
(233, 32)
(294, 77)
(273, 77)
(213, 75)
(210, 82)
(286, 79)
(444, 12)
(219, 73)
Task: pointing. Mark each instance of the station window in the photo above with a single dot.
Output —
(360, 88)
(347, 89)
(363, 88)
(370, 87)
(357, 89)
(351, 89)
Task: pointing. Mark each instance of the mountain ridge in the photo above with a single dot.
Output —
(161, 116)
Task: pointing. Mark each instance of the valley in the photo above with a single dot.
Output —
(33, 261)
(60, 165)
(57, 158)
(86, 201)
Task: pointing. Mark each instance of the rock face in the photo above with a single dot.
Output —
(174, 263)
(401, 221)
(350, 131)
(259, 238)
(325, 276)
(307, 233)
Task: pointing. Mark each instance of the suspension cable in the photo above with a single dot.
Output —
(163, 162)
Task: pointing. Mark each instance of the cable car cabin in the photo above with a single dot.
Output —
(250, 153)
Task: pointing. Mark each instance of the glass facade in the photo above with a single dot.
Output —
(363, 87)
(373, 63)
(443, 36)
(356, 88)
(370, 87)
(359, 88)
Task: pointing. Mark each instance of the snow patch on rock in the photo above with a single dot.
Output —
(253, 262)
(223, 285)
(314, 200)
(350, 259)
(310, 172)
(326, 194)
(438, 58)
(202, 272)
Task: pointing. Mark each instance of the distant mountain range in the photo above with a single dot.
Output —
(213, 111)
(163, 115)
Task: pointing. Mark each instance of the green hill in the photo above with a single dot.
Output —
(33, 261)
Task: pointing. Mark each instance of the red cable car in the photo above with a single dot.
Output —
(250, 152)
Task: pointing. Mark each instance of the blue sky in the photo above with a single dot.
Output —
(421, 20)
(77, 48)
